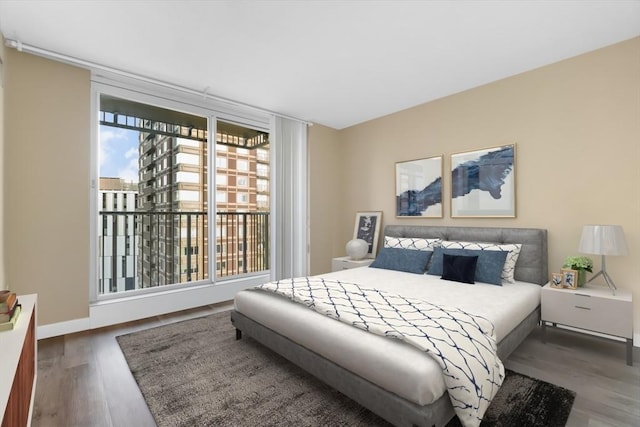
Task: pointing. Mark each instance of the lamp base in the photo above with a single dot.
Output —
(606, 277)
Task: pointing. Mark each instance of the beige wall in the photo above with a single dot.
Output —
(576, 125)
(326, 202)
(46, 185)
(3, 282)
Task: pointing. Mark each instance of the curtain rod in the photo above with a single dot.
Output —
(21, 47)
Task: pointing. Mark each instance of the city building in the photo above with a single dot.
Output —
(116, 239)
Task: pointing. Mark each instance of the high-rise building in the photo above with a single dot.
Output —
(172, 204)
(117, 235)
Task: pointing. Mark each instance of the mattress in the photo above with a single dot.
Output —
(391, 364)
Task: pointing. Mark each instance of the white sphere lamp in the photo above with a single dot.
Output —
(357, 249)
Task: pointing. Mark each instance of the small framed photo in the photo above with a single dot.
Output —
(556, 280)
(569, 278)
(367, 228)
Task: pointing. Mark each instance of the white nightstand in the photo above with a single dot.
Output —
(592, 309)
(344, 263)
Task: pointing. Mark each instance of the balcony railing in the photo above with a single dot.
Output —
(149, 249)
(242, 242)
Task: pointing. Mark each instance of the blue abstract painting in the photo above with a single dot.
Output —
(419, 188)
(483, 183)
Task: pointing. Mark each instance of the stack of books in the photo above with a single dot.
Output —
(9, 310)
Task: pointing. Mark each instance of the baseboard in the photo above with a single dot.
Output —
(115, 311)
(62, 328)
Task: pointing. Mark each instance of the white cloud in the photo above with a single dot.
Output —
(109, 137)
(118, 153)
(130, 171)
(131, 153)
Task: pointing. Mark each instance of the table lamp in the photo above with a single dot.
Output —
(603, 240)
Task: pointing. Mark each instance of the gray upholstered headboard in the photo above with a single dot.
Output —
(532, 262)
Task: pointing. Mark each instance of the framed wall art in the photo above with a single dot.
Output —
(419, 188)
(367, 228)
(483, 183)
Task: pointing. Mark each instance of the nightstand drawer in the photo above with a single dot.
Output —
(344, 263)
(586, 311)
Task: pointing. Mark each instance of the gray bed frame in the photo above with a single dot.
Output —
(531, 267)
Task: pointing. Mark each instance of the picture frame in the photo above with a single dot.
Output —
(556, 280)
(367, 228)
(483, 183)
(569, 278)
(419, 188)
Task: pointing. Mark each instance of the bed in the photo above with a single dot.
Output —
(391, 378)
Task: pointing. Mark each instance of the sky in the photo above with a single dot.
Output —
(118, 153)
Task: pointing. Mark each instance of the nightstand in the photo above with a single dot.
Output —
(591, 309)
(344, 263)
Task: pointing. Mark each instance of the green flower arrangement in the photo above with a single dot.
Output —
(578, 263)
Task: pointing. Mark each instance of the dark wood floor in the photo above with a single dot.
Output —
(83, 379)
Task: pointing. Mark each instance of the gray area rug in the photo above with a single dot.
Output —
(195, 373)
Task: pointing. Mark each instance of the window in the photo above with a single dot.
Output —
(262, 170)
(262, 201)
(190, 177)
(152, 155)
(152, 195)
(193, 250)
(237, 216)
(262, 154)
(184, 158)
(221, 162)
(242, 165)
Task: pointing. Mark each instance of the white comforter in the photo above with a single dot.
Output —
(463, 345)
(391, 364)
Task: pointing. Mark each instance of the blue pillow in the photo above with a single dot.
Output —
(488, 269)
(409, 260)
(459, 268)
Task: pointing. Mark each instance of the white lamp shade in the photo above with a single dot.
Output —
(603, 240)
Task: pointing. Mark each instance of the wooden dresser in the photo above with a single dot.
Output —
(18, 362)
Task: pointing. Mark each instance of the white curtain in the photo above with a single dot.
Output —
(289, 229)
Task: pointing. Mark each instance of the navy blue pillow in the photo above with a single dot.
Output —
(459, 268)
(488, 269)
(409, 260)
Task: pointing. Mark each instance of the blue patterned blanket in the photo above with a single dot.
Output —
(464, 345)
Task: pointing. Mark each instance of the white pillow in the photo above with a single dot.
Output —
(415, 243)
(510, 262)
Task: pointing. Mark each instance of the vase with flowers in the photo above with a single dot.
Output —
(581, 264)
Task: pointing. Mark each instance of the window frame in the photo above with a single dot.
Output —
(166, 97)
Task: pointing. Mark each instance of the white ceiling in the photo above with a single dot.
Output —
(337, 63)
